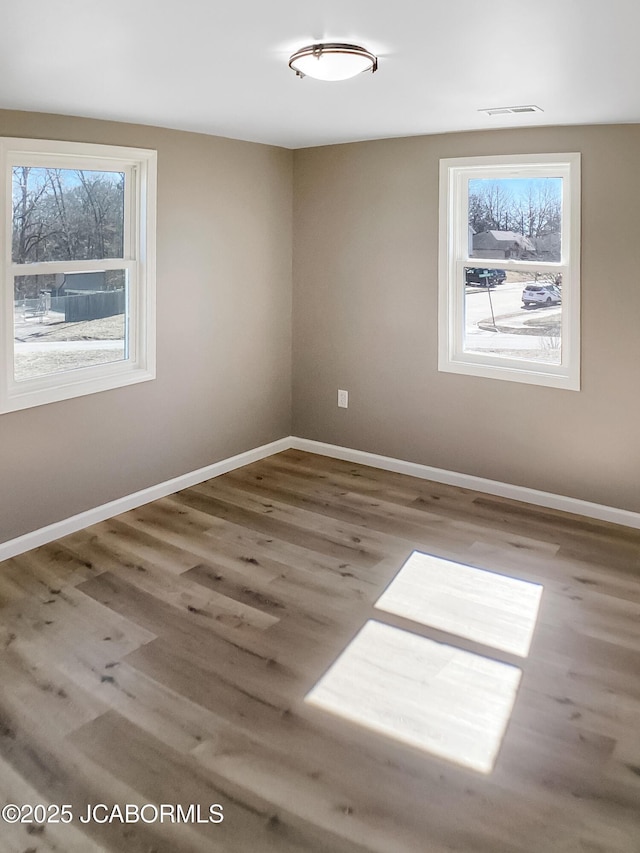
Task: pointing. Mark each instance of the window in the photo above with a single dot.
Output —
(78, 275)
(509, 304)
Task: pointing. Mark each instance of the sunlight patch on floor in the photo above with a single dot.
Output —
(446, 701)
(488, 608)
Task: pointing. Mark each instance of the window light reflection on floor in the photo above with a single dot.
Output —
(488, 608)
(446, 701)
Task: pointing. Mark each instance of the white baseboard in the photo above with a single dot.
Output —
(13, 547)
(477, 484)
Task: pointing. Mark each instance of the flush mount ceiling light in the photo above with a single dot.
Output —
(332, 61)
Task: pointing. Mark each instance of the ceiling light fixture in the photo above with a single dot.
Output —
(332, 61)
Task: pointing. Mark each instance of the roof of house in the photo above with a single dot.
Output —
(511, 237)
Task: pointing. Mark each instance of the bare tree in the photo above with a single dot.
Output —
(59, 215)
(538, 212)
(535, 213)
(490, 207)
(29, 230)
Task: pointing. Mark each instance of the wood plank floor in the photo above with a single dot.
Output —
(164, 656)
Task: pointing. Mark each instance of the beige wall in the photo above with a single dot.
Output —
(224, 333)
(365, 319)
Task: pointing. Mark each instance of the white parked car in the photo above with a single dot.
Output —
(541, 294)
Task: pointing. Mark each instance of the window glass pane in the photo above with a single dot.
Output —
(67, 321)
(515, 218)
(67, 215)
(513, 314)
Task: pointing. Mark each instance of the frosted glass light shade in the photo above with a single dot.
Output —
(332, 61)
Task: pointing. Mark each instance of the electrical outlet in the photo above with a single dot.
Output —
(343, 399)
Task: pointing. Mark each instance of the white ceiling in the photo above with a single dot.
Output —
(221, 67)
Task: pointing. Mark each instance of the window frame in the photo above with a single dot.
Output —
(454, 251)
(139, 250)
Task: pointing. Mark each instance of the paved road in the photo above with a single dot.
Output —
(507, 302)
(507, 308)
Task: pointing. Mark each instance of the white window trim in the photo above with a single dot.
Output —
(140, 165)
(454, 256)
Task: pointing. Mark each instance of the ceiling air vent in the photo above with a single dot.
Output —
(503, 111)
